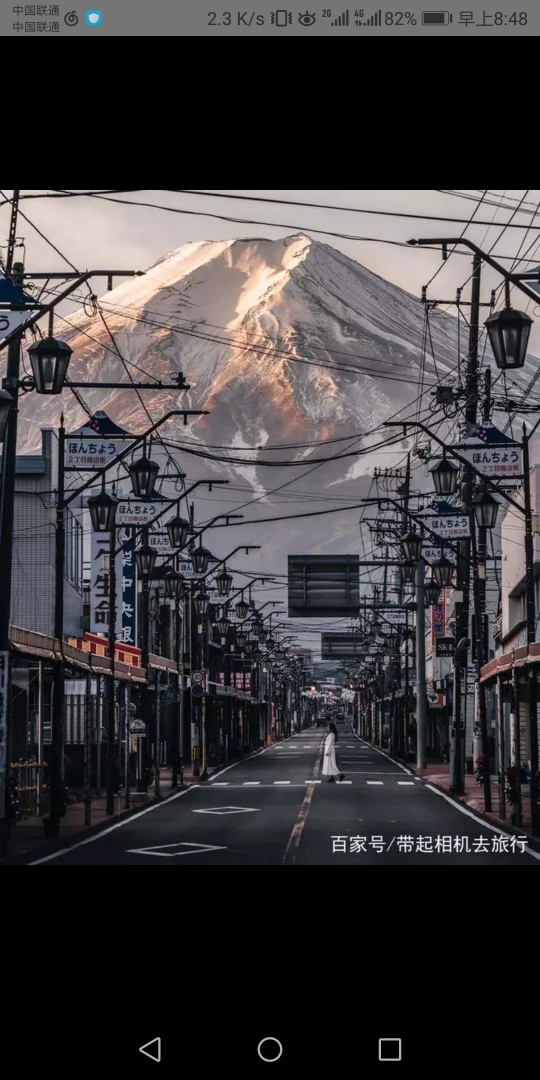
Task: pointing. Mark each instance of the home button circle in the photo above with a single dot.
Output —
(270, 1049)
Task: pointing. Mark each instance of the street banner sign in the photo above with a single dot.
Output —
(397, 618)
(186, 569)
(131, 512)
(436, 701)
(497, 464)
(433, 554)
(96, 444)
(450, 526)
(438, 618)
(13, 295)
(444, 646)
(126, 586)
(161, 543)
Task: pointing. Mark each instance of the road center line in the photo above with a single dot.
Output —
(291, 851)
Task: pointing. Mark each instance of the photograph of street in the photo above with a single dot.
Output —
(269, 528)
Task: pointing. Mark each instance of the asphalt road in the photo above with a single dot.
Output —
(275, 809)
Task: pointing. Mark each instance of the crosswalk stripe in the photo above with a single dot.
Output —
(374, 782)
(406, 783)
(282, 781)
(225, 783)
(251, 783)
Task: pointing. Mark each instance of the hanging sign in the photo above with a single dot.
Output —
(397, 618)
(96, 444)
(130, 512)
(444, 646)
(186, 569)
(449, 526)
(438, 618)
(126, 586)
(161, 543)
(500, 462)
(433, 554)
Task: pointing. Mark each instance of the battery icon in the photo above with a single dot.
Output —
(436, 18)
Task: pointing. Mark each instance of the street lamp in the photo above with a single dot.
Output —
(411, 544)
(145, 557)
(445, 477)
(508, 332)
(174, 585)
(223, 625)
(143, 475)
(270, 644)
(202, 601)
(102, 509)
(408, 573)
(375, 629)
(6, 401)
(485, 509)
(241, 609)
(263, 633)
(49, 359)
(431, 592)
(224, 582)
(200, 557)
(443, 572)
(241, 639)
(178, 529)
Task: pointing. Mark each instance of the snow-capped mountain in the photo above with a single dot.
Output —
(283, 342)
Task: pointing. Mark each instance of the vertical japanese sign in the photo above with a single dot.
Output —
(4, 689)
(126, 586)
(126, 617)
(438, 618)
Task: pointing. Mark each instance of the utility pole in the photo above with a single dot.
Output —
(421, 697)
(457, 740)
(404, 525)
(11, 384)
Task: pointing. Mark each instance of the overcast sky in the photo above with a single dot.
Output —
(92, 232)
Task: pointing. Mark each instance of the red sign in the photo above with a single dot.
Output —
(438, 618)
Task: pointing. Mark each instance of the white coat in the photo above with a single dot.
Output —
(329, 758)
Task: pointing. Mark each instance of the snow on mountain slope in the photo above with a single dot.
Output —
(283, 341)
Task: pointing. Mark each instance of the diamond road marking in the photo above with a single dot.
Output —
(222, 810)
(282, 781)
(167, 851)
(374, 782)
(406, 783)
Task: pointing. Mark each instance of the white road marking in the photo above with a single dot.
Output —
(225, 783)
(201, 849)
(387, 756)
(488, 825)
(111, 828)
(343, 781)
(375, 782)
(406, 783)
(312, 781)
(251, 783)
(221, 811)
(282, 781)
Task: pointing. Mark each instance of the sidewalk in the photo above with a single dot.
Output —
(28, 834)
(439, 775)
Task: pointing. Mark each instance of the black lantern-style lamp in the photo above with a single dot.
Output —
(411, 544)
(443, 572)
(143, 475)
(508, 332)
(202, 601)
(145, 558)
(241, 639)
(6, 401)
(102, 509)
(263, 633)
(224, 582)
(445, 477)
(50, 360)
(375, 629)
(178, 529)
(392, 640)
(223, 625)
(270, 644)
(241, 609)
(485, 509)
(200, 557)
(174, 585)
(408, 573)
(431, 592)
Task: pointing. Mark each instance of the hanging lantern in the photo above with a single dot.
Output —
(408, 573)
(411, 544)
(241, 609)
(178, 529)
(200, 557)
(143, 475)
(49, 359)
(432, 592)
(6, 401)
(174, 585)
(445, 477)
(223, 625)
(145, 557)
(485, 509)
(508, 332)
(442, 571)
(224, 582)
(241, 639)
(202, 601)
(102, 509)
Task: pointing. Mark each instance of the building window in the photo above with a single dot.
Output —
(74, 551)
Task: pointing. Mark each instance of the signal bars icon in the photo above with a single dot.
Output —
(342, 20)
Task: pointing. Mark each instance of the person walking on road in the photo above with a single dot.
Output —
(330, 768)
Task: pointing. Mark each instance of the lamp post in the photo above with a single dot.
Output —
(202, 601)
(145, 558)
(175, 592)
(102, 509)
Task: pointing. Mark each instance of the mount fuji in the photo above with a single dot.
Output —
(284, 342)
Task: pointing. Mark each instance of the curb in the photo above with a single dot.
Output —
(59, 843)
(493, 820)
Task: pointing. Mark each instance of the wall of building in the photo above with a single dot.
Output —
(513, 558)
(32, 600)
